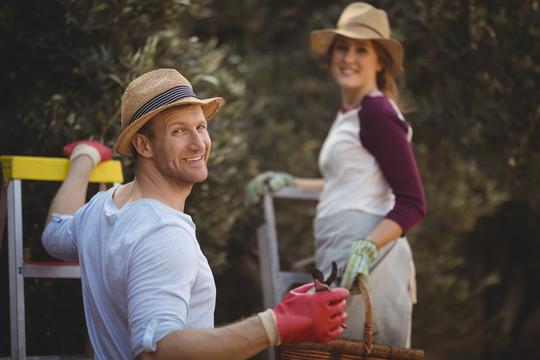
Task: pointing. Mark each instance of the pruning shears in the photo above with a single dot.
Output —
(318, 278)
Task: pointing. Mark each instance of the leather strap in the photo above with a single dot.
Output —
(337, 350)
(394, 353)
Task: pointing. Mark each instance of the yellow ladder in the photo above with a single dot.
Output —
(14, 170)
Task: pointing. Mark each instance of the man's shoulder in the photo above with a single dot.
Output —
(151, 207)
(152, 213)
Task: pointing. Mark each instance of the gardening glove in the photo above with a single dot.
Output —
(96, 150)
(275, 180)
(304, 316)
(361, 254)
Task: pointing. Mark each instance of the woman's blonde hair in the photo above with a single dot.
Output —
(385, 80)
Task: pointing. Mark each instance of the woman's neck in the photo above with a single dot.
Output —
(350, 98)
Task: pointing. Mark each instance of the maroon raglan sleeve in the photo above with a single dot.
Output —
(385, 136)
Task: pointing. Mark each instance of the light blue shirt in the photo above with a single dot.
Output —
(143, 273)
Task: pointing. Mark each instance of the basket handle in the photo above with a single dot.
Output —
(368, 324)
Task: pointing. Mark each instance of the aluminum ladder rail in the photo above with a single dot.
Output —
(14, 170)
(276, 282)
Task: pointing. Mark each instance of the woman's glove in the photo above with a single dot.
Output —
(361, 254)
(304, 316)
(275, 180)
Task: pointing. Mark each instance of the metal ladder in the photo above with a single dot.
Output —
(14, 170)
(276, 282)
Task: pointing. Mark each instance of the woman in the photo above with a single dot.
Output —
(372, 194)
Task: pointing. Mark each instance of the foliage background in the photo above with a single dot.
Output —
(470, 85)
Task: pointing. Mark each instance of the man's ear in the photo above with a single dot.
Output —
(142, 145)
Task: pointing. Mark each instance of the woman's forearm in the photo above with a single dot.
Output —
(385, 232)
(308, 183)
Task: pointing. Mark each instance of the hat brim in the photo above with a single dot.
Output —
(321, 40)
(123, 143)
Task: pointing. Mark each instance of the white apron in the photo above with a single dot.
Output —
(391, 281)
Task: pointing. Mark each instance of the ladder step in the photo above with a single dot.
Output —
(57, 269)
(296, 193)
(55, 357)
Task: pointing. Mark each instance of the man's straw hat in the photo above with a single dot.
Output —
(360, 21)
(152, 93)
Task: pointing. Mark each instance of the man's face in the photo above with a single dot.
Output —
(181, 144)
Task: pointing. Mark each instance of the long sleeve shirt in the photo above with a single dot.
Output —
(368, 164)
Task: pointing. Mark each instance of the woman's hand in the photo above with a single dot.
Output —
(274, 180)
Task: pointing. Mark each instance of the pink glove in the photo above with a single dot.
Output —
(96, 150)
(304, 316)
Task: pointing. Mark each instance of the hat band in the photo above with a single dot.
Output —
(350, 25)
(163, 99)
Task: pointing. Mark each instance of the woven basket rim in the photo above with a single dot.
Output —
(349, 348)
(354, 348)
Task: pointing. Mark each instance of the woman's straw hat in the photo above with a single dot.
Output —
(360, 21)
(152, 93)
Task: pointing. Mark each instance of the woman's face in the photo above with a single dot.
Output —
(354, 64)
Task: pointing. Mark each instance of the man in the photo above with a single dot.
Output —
(148, 290)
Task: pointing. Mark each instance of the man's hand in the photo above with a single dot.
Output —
(275, 180)
(94, 149)
(361, 254)
(304, 316)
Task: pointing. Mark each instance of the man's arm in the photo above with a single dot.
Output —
(72, 193)
(237, 341)
(301, 316)
(83, 157)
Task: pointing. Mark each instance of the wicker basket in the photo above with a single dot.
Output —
(341, 349)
